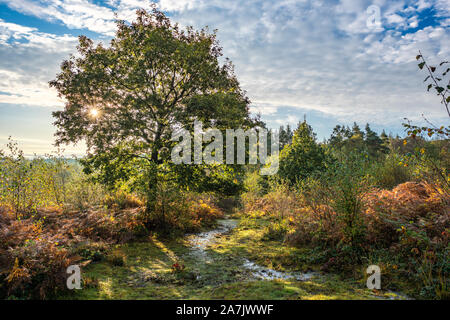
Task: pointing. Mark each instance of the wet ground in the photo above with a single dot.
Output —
(231, 261)
(200, 249)
(201, 241)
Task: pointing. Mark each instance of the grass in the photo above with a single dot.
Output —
(146, 272)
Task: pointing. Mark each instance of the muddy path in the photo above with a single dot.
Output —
(202, 250)
(202, 241)
(229, 261)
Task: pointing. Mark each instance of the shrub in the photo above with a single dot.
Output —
(406, 232)
(176, 212)
(25, 185)
(415, 213)
(391, 172)
(346, 183)
(122, 200)
(253, 183)
(82, 193)
(35, 251)
(32, 262)
(116, 259)
(88, 250)
(38, 271)
(276, 230)
(279, 202)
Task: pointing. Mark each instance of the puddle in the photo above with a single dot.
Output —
(201, 241)
(398, 296)
(270, 274)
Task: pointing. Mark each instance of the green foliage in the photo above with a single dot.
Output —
(338, 137)
(126, 99)
(253, 183)
(391, 171)
(276, 230)
(176, 213)
(91, 251)
(82, 192)
(429, 160)
(224, 180)
(285, 136)
(27, 184)
(343, 139)
(347, 182)
(436, 170)
(437, 79)
(302, 157)
(374, 143)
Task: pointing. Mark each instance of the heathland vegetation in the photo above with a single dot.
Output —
(123, 212)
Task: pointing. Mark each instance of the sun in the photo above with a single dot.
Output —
(94, 113)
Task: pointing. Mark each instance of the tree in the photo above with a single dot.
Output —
(302, 157)
(373, 142)
(356, 131)
(339, 136)
(356, 141)
(126, 99)
(285, 136)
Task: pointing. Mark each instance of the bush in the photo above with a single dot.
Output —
(391, 172)
(116, 259)
(253, 183)
(279, 202)
(88, 250)
(276, 230)
(176, 213)
(417, 214)
(122, 200)
(347, 185)
(26, 185)
(82, 193)
(407, 228)
(32, 262)
(38, 271)
(35, 251)
(334, 203)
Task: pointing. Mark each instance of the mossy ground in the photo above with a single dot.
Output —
(144, 270)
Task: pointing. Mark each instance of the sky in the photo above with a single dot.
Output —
(333, 62)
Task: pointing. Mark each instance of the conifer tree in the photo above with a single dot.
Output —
(302, 157)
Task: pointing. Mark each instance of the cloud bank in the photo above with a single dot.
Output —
(319, 56)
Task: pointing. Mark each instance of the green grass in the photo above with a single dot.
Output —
(146, 272)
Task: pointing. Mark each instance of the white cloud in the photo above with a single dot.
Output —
(28, 60)
(423, 4)
(83, 14)
(78, 14)
(316, 55)
(395, 19)
(179, 5)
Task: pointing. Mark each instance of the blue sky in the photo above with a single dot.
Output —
(323, 59)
